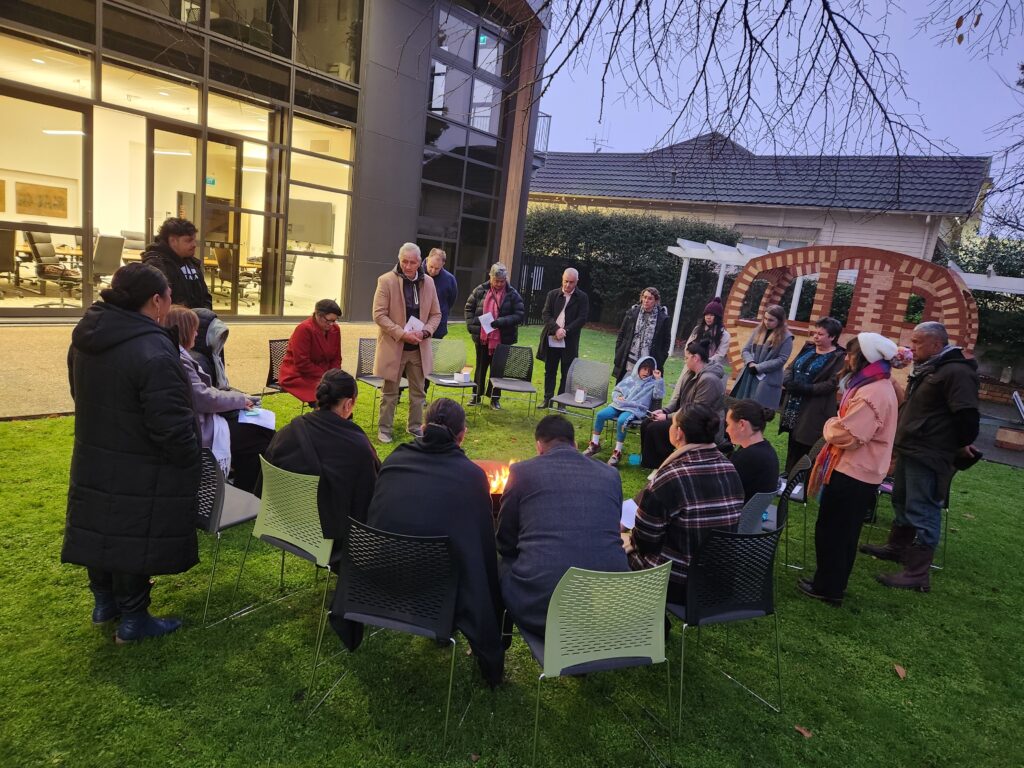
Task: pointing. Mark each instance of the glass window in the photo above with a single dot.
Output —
(456, 36)
(449, 92)
(72, 18)
(485, 111)
(325, 97)
(255, 194)
(329, 36)
(439, 212)
(489, 51)
(175, 165)
(189, 11)
(485, 149)
(445, 136)
(755, 242)
(249, 73)
(325, 173)
(259, 23)
(147, 93)
(119, 189)
(318, 220)
(444, 169)
(330, 140)
(57, 69)
(136, 36)
(481, 179)
(478, 206)
(236, 116)
(222, 169)
(475, 239)
(786, 244)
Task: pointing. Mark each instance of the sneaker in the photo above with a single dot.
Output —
(615, 458)
(591, 449)
(416, 431)
(382, 438)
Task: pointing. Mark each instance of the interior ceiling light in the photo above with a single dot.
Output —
(173, 152)
(55, 132)
(163, 93)
(38, 61)
(253, 170)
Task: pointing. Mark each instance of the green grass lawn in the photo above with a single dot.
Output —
(232, 695)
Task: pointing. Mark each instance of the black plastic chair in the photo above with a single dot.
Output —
(512, 372)
(277, 349)
(364, 373)
(885, 487)
(50, 268)
(730, 580)
(752, 514)
(405, 583)
(795, 489)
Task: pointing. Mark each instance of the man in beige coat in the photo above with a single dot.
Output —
(404, 292)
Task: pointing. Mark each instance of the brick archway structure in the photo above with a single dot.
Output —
(885, 282)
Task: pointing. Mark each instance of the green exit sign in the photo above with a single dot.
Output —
(483, 39)
(211, 181)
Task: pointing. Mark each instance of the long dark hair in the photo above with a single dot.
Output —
(133, 285)
(712, 334)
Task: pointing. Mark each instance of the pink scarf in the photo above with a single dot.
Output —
(492, 304)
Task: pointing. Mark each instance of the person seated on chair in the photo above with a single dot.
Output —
(429, 487)
(326, 442)
(695, 490)
(235, 445)
(702, 381)
(559, 510)
(631, 401)
(755, 460)
(313, 349)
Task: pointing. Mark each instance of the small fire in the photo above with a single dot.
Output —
(498, 478)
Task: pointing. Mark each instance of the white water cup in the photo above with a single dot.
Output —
(581, 395)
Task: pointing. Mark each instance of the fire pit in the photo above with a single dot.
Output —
(497, 477)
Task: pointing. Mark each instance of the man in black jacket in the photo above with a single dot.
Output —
(564, 315)
(173, 253)
(937, 425)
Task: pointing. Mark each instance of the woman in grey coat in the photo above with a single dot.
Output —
(764, 356)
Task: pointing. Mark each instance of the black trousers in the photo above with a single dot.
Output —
(844, 502)
(130, 590)
(554, 359)
(248, 443)
(655, 446)
(483, 362)
(795, 452)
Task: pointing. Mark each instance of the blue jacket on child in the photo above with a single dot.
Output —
(634, 394)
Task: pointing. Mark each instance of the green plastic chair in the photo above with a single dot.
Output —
(288, 519)
(600, 621)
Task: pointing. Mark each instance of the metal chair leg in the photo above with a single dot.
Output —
(448, 703)
(536, 721)
(240, 569)
(213, 572)
(682, 669)
(320, 625)
(944, 542)
(668, 699)
(778, 660)
(282, 570)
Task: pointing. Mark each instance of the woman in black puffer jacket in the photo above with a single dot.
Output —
(505, 305)
(135, 468)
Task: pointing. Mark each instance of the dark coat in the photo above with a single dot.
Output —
(447, 288)
(430, 488)
(659, 344)
(559, 510)
(576, 315)
(345, 460)
(135, 465)
(511, 313)
(817, 405)
(188, 286)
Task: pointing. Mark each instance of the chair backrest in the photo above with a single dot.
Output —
(8, 244)
(41, 245)
(288, 511)
(797, 475)
(106, 258)
(594, 616)
(211, 493)
(133, 240)
(449, 355)
(731, 577)
(402, 582)
(512, 362)
(591, 376)
(277, 349)
(364, 360)
(224, 259)
(750, 515)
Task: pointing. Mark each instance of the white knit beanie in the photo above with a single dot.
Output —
(875, 347)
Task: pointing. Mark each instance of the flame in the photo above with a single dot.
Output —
(498, 478)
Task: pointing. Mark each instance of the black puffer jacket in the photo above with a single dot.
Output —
(511, 313)
(135, 466)
(188, 286)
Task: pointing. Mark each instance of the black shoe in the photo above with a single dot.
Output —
(496, 405)
(105, 608)
(806, 586)
(474, 400)
(140, 626)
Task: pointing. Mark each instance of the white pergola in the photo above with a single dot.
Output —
(990, 281)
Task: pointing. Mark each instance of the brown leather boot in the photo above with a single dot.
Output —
(916, 573)
(900, 537)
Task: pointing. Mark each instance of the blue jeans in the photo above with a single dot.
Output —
(917, 499)
(611, 412)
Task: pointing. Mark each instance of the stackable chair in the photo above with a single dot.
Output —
(449, 359)
(752, 514)
(403, 583)
(730, 579)
(593, 378)
(277, 349)
(601, 621)
(512, 373)
(364, 373)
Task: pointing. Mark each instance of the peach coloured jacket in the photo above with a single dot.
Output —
(865, 434)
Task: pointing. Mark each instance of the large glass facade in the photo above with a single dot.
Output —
(260, 156)
(464, 144)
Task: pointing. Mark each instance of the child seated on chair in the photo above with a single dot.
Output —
(631, 400)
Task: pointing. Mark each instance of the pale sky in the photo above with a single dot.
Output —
(960, 98)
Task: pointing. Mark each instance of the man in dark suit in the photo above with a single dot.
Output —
(564, 315)
(560, 509)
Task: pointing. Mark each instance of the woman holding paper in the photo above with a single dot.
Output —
(313, 349)
(236, 445)
(494, 313)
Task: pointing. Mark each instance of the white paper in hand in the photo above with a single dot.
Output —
(414, 325)
(628, 518)
(487, 322)
(554, 343)
(261, 417)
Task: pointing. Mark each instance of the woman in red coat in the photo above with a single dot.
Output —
(313, 349)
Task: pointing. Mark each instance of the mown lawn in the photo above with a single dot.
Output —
(233, 695)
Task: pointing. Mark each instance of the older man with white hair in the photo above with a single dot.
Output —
(406, 311)
(564, 315)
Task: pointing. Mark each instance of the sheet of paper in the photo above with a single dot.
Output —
(554, 343)
(261, 417)
(628, 518)
(414, 325)
(487, 322)
(760, 376)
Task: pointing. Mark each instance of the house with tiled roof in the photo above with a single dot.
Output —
(907, 204)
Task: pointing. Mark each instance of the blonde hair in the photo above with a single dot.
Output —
(185, 320)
